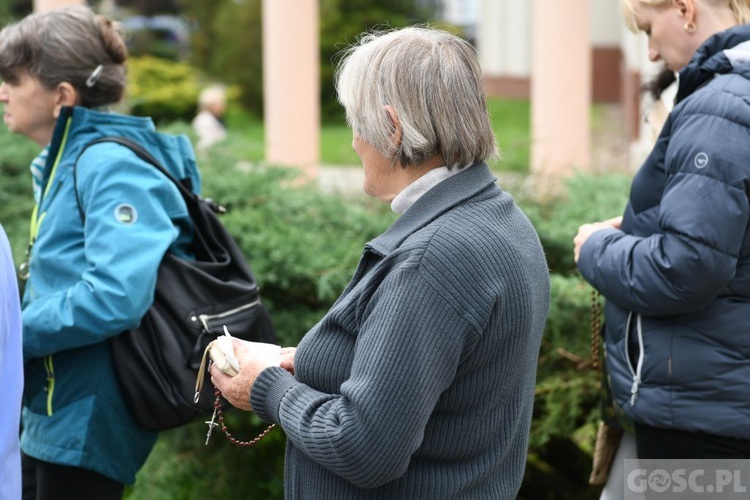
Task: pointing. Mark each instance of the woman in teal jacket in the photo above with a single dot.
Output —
(87, 281)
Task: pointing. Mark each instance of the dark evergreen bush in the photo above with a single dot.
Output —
(16, 195)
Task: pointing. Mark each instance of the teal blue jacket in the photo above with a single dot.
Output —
(90, 281)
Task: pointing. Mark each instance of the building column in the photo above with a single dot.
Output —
(291, 84)
(560, 92)
(45, 5)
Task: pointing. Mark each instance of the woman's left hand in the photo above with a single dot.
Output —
(236, 389)
(586, 230)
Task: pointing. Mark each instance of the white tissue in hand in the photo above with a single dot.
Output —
(269, 353)
(222, 354)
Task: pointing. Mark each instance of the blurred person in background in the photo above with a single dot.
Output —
(208, 124)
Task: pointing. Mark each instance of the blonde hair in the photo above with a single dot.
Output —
(740, 9)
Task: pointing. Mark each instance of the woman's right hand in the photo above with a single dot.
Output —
(587, 230)
(614, 222)
(286, 358)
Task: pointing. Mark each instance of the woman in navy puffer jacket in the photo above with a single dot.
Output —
(675, 268)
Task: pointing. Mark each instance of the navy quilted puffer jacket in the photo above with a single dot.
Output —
(677, 276)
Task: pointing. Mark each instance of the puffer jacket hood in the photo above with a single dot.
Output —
(718, 55)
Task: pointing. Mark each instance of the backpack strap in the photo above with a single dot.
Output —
(191, 199)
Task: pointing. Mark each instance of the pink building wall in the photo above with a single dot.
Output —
(44, 5)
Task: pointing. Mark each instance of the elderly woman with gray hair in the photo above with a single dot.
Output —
(419, 382)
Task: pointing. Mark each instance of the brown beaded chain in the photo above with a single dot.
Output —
(596, 323)
(232, 440)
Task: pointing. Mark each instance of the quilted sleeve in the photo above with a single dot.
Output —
(703, 219)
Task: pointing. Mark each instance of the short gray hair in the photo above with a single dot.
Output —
(433, 80)
(68, 45)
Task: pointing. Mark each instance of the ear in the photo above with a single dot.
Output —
(65, 95)
(685, 9)
(396, 130)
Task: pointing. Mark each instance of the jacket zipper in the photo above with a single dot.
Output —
(49, 367)
(36, 221)
(205, 318)
(639, 366)
(36, 217)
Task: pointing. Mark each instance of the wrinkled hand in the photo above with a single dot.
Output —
(287, 359)
(236, 389)
(586, 230)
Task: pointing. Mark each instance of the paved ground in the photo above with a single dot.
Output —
(334, 179)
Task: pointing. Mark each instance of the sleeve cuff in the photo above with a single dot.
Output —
(267, 392)
(587, 258)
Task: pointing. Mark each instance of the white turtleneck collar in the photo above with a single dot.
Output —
(416, 189)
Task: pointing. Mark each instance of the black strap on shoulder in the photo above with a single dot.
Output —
(191, 199)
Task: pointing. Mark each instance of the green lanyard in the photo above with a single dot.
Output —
(36, 218)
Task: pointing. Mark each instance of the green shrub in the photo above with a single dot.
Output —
(588, 198)
(16, 195)
(182, 467)
(162, 89)
(567, 388)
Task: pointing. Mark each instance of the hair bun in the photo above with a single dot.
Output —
(112, 38)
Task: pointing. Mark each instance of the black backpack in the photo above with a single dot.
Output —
(157, 362)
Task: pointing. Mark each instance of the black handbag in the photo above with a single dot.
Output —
(157, 362)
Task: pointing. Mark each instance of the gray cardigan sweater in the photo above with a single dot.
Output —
(419, 382)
